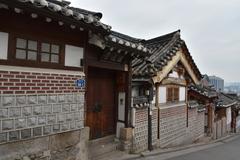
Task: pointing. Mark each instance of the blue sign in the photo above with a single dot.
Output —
(80, 83)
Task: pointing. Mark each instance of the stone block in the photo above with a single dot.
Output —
(42, 99)
(77, 116)
(20, 100)
(51, 119)
(47, 109)
(72, 125)
(14, 135)
(4, 113)
(61, 141)
(79, 97)
(80, 106)
(42, 120)
(26, 133)
(32, 99)
(61, 98)
(3, 137)
(126, 134)
(65, 127)
(69, 98)
(79, 124)
(74, 107)
(7, 124)
(37, 131)
(47, 130)
(32, 121)
(69, 117)
(57, 108)
(52, 99)
(27, 111)
(37, 110)
(65, 108)
(20, 123)
(8, 101)
(61, 118)
(56, 127)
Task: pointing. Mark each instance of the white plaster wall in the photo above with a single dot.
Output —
(182, 95)
(174, 74)
(121, 106)
(135, 91)
(229, 115)
(162, 94)
(119, 126)
(3, 45)
(73, 55)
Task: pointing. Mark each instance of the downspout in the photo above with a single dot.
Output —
(150, 99)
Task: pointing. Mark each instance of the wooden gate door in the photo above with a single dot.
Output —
(101, 112)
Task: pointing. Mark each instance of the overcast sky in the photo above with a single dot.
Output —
(210, 28)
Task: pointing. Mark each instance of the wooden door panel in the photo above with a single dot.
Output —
(101, 94)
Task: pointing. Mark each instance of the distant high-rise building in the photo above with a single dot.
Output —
(217, 82)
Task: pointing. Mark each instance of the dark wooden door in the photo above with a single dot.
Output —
(101, 112)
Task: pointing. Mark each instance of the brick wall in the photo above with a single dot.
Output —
(39, 103)
(172, 126)
(195, 124)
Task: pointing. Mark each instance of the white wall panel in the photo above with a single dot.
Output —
(162, 94)
(3, 45)
(73, 55)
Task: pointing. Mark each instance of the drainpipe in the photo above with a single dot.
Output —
(150, 98)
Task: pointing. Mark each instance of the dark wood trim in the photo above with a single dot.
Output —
(128, 95)
(105, 65)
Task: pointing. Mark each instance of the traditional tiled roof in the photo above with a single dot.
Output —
(162, 48)
(203, 90)
(62, 9)
(127, 41)
(225, 101)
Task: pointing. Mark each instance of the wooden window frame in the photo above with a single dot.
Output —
(32, 63)
(174, 95)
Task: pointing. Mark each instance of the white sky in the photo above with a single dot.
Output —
(211, 28)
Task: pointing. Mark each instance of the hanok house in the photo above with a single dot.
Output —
(47, 52)
(223, 115)
(160, 104)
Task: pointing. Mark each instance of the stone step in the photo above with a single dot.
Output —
(102, 146)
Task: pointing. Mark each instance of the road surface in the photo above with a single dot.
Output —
(223, 150)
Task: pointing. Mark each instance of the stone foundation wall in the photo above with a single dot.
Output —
(70, 145)
(37, 105)
(172, 126)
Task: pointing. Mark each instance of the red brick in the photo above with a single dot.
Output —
(36, 73)
(14, 88)
(19, 92)
(50, 91)
(54, 74)
(59, 78)
(50, 84)
(41, 84)
(45, 88)
(41, 91)
(20, 84)
(6, 72)
(8, 84)
(41, 77)
(50, 77)
(59, 85)
(36, 88)
(45, 81)
(36, 80)
(8, 76)
(25, 80)
(26, 73)
(46, 74)
(7, 92)
(14, 72)
(30, 92)
(20, 76)
(31, 77)
(14, 80)
(3, 88)
(31, 84)
(3, 80)
(25, 88)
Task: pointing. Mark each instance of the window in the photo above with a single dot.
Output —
(42, 52)
(172, 94)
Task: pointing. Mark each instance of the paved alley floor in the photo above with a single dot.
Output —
(223, 150)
